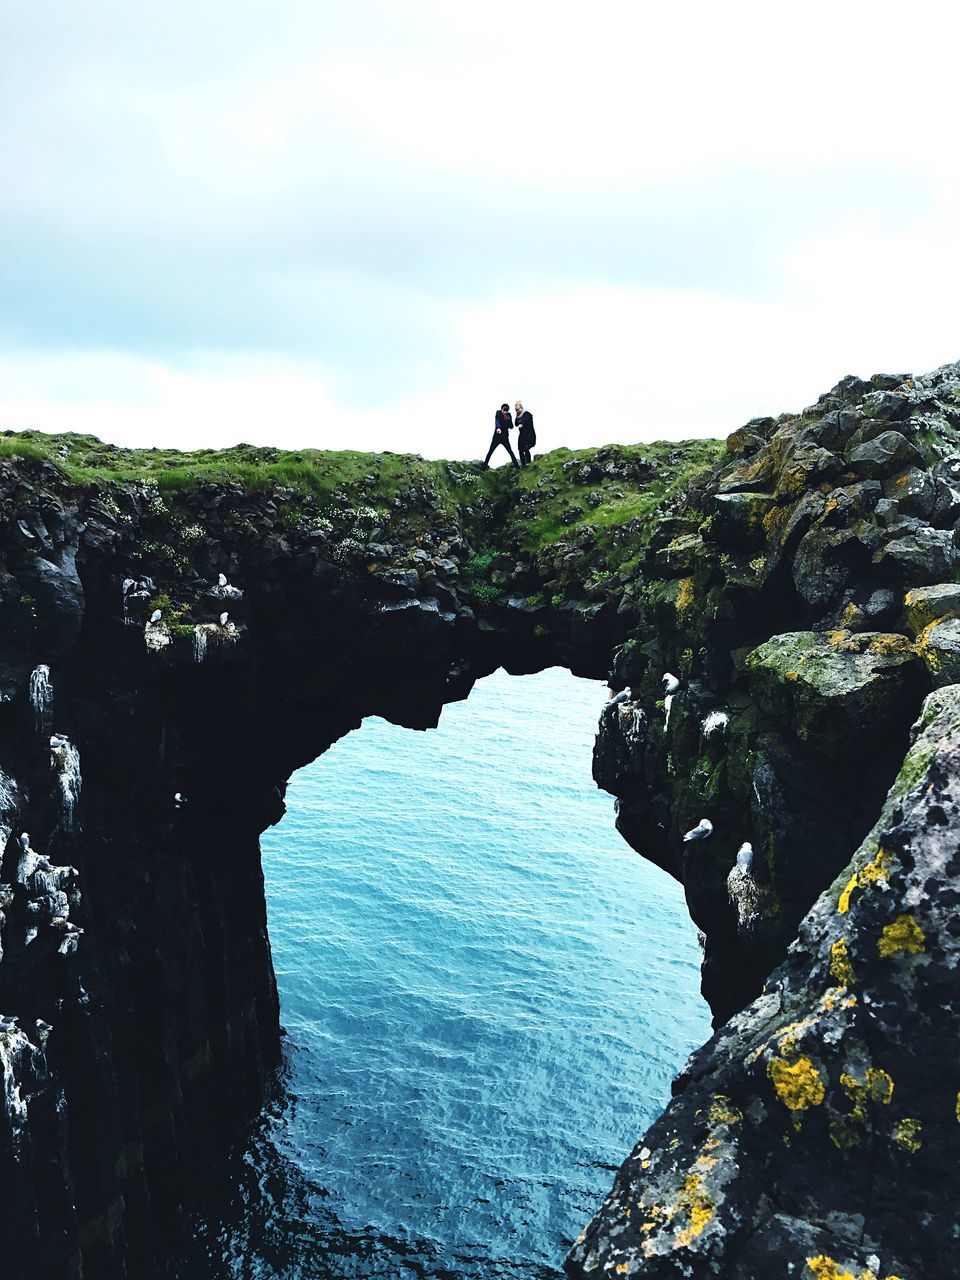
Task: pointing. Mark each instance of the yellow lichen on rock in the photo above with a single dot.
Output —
(892, 643)
(926, 650)
(879, 1085)
(685, 595)
(798, 1084)
(825, 1268)
(902, 937)
(722, 1111)
(877, 869)
(842, 641)
(906, 1134)
(695, 1202)
(840, 966)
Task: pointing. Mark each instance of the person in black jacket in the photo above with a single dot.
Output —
(528, 437)
(502, 422)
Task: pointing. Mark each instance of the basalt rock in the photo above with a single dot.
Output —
(814, 1135)
(168, 657)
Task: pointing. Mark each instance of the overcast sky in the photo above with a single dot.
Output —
(366, 224)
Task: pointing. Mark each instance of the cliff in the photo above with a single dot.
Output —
(181, 632)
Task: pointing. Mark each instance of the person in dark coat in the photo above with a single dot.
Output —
(502, 422)
(527, 437)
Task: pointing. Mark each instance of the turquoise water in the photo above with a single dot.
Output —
(486, 994)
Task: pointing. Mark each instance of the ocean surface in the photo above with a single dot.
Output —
(486, 994)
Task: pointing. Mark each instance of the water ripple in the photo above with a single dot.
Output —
(486, 995)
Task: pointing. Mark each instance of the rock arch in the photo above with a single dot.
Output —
(191, 652)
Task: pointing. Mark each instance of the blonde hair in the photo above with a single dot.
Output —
(518, 405)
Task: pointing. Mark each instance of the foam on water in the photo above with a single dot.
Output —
(486, 994)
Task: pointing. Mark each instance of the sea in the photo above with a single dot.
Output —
(485, 994)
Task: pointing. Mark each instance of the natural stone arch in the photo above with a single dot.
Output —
(774, 583)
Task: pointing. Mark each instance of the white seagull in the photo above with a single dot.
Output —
(745, 858)
(222, 580)
(625, 695)
(156, 615)
(223, 619)
(701, 831)
(670, 682)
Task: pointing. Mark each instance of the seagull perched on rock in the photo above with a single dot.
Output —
(701, 831)
(8, 1022)
(156, 615)
(625, 695)
(222, 580)
(58, 741)
(670, 686)
(25, 842)
(223, 619)
(745, 858)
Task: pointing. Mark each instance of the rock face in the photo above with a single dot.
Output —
(170, 655)
(814, 1134)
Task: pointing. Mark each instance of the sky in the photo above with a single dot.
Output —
(366, 225)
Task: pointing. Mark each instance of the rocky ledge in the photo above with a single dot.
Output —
(179, 633)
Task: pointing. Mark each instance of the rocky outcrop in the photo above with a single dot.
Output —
(803, 604)
(815, 1134)
(176, 641)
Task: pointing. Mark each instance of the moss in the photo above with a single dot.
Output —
(173, 614)
(484, 592)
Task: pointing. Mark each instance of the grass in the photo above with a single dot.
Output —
(554, 493)
(530, 509)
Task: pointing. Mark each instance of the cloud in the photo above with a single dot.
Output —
(383, 207)
(649, 365)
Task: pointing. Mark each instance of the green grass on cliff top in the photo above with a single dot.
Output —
(542, 502)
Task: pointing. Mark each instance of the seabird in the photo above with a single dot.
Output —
(701, 831)
(57, 740)
(223, 619)
(179, 800)
(745, 858)
(156, 615)
(625, 695)
(8, 1022)
(222, 580)
(25, 842)
(670, 682)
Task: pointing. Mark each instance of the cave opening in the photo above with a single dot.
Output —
(485, 992)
